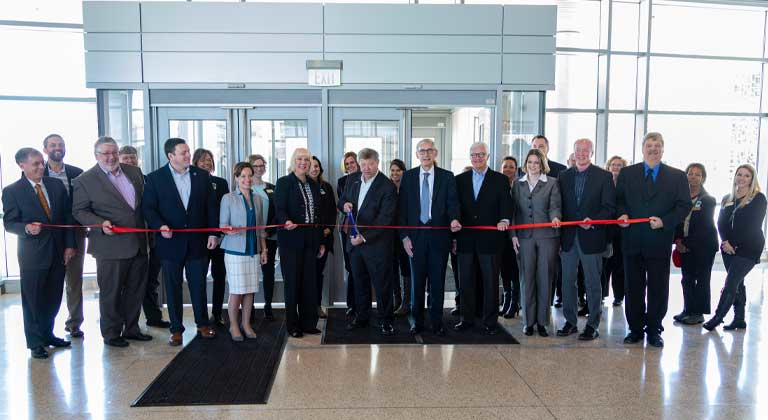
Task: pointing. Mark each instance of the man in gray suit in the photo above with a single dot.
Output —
(109, 194)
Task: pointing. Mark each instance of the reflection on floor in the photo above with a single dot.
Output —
(697, 375)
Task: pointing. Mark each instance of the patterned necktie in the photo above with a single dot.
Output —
(425, 199)
(43, 201)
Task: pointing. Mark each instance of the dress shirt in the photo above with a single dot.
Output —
(431, 182)
(542, 178)
(364, 187)
(61, 176)
(183, 184)
(123, 185)
(45, 191)
(654, 170)
(580, 182)
(477, 180)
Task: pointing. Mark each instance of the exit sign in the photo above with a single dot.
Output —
(324, 77)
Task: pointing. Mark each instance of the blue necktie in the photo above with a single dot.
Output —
(425, 200)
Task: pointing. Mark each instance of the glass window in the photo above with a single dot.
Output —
(48, 62)
(562, 129)
(678, 84)
(575, 82)
(468, 126)
(207, 134)
(720, 143)
(276, 140)
(381, 136)
(124, 121)
(626, 26)
(623, 82)
(687, 28)
(578, 24)
(520, 122)
(621, 134)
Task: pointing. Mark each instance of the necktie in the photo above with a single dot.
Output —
(649, 181)
(425, 202)
(43, 201)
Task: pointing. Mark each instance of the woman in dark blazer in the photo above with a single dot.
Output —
(297, 201)
(510, 273)
(613, 266)
(696, 241)
(401, 264)
(327, 218)
(741, 230)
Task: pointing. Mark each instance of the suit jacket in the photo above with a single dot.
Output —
(289, 205)
(598, 202)
(493, 204)
(743, 227)
(72, 173)
(269, 190)
(21, 207)
(162, 205)
(541, 205)
(96, 199)
(702, 234)
(555, 168)
(327, 213)
(378, 209)
(668, 199)
(233, 213)
(445, 204)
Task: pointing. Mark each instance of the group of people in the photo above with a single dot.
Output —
(197, 221)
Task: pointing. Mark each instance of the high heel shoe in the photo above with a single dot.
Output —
(250, 335)
(236, 338)
(513, 311)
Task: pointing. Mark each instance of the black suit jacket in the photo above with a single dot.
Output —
(162, 205)
(340, 184)
(668, 199)
(21, 207)
(598, 202)
(702, 234)
(555, 168)
(494, 203)
(445, 204)
(378, 209)
(289, 205)
(269, 189)
(327, 213)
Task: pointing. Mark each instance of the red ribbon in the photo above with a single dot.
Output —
(119, 229)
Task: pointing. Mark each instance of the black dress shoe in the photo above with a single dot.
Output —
(528, 331)
(296, 334)
(116, 342)
(712, 323)
(161, 323)
(216, 321)
(633, 338)
(463, 326)
(39, 352)
(439, 330)
(357, 323)
(74, 332)
(559, 304)
(679, 317)
(415, 330)
(567, 330)
(584, 311)
(543, 331)
(139, 336)
(350, 313)
(589, 334)
(617, 302)
(58, 342)
(655, 340)
(386, 329)
(313, 331)
(490, 330)
(268, 315)
(736, 325)
(455, 311)
(692, 319)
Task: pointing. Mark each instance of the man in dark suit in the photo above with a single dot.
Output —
(484, 200)
(55, 149)
(110, 194)
(43, 252)
(587, 194)
(178, 196)
(350, 166)
(128, 155)
(428, 198)
(660, 192)
(371, 197)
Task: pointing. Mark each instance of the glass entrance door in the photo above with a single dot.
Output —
(208, 128)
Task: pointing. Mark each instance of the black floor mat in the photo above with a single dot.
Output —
(476, 335)
(220, 371)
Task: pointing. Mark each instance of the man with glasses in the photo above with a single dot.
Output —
(428, 198)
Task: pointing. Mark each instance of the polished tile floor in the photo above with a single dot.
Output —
(697, 375)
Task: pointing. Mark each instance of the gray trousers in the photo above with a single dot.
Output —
(73, 283)
(122, 284)
(537, 262)
(593, 266)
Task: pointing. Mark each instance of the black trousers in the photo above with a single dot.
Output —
(401, 268)
(455, 271)
(646, 276)
(300, 283)
(485, 268)
(373, 266)
(697, 272)
(350, 275)
(122, 284)
(613, 273)
(268, 272)
(320, 268)
(734, 293)
(151, 303)
(41, 292)
(219, 274)
(510, 272)
(428, 266)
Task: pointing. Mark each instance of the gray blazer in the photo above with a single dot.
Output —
(539, 206)
(233, 213)
(95, 199)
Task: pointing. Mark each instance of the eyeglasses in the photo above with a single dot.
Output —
(425, 151)
(480, 155)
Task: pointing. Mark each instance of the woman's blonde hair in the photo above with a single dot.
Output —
(754, 186)
(296, 153)
(615, 157)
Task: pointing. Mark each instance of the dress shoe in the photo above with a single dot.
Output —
(402, 310)
(567, 330)
(679, 317)
(712, 323)
(268, 315)
(175, 339)
(455, 311)
(736, 325)
(139, 336)
(582, 302)
(655, 340)
(296, 334)
(58, 342)
(584, 311)
(161, 323)
(357, 323)
(386, 329)
(588, 334)
(350, 313)
(463, 326)
(492, 330)
(74, 332)
(528, 331)
(216, 321)
(206, 332)
(543, 331)
(617, 302)
(251, 335)
(321, 313)
(693, 319)
(513, 311)
(39, 352)
(633, 338)
(237, 338)
(439, 330)
(312, 331)
(116, 342)
(559, 304)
